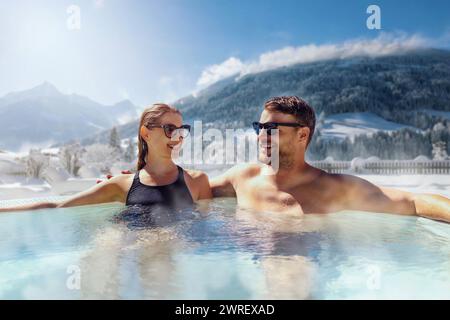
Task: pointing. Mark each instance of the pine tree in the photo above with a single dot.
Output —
(440, 151)
(114, 139)
(70, 158)
(130, 152)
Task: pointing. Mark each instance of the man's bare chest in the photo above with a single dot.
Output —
(311, 198)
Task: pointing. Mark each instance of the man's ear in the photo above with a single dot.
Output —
(303, 133)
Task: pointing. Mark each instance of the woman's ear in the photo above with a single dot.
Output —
(144, 133)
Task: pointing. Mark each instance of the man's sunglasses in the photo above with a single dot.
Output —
(269, 126)
(170, 129)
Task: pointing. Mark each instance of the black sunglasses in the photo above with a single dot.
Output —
(269, 126)
(171, 129)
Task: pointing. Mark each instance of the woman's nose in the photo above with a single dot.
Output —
(177, 139)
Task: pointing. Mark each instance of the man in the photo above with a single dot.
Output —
(297, 187)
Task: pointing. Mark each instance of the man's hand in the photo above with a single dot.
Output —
(432, 206)
(222, 186)
(109, 176)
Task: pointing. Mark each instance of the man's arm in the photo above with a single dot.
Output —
(222, 186)
(366, 196)
(427, 205)
(198, 183)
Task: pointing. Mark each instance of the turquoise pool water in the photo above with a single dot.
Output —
(219, 252)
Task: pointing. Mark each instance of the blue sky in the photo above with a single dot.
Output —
(150, 51)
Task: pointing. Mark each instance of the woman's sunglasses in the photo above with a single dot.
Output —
(172, 130)
(269, 126)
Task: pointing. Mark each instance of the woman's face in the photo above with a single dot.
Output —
(157, 141)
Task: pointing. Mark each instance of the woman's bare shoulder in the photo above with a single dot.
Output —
(195, 175)
(123, 181)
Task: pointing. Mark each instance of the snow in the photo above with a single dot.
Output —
(443, 114)
(432, 183)
(421, 158)
(50, 151)
(96, 126)
(40, 188)
(87, 171)
(351, 124)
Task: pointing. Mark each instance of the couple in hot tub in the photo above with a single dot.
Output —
(294, 188)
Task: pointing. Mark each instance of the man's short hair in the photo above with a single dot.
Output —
(296, 106)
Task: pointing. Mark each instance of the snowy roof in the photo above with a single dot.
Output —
(422, 158)
(357, 163)
(373, 159)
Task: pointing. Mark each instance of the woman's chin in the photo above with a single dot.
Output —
(173, 154)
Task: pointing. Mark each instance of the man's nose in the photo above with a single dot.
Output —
(263, 136)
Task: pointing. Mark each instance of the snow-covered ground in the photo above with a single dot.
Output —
(443, 114)
(432, 183)
(55, 180)
(37, 188)
(354, 123)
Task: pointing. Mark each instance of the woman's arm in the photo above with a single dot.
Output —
(107, 191)
(32, 206)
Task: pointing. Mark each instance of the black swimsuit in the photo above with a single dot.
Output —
(174, 195)
(148, 206)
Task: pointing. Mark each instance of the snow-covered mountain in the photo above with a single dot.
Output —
(43, 115)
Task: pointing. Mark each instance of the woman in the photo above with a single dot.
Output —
(158, 180)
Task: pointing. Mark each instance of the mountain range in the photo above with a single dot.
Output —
(43, 115)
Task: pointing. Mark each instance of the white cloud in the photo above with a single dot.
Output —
(384, 44)
(216, 72)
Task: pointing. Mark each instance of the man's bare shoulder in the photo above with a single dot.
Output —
(351, 183)
(244, 170)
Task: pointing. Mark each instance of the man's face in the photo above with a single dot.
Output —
(287, 140)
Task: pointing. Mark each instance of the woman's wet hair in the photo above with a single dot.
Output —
(151, 114)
